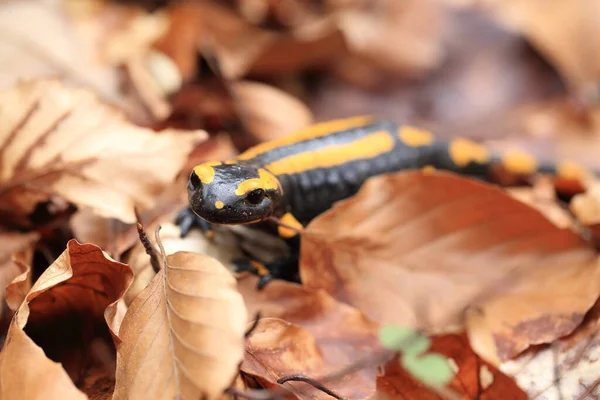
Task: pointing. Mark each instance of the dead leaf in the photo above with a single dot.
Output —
(432, 245)
(15, 262)
(277, 349)
(183, 335)
(61, 141)
(474, 379)
(267, 112)
(567, 368)
(25, 53)
(342, 333)
(565, 31)
(50, 332)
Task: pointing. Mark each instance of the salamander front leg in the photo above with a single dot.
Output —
(285, 268)
(188, 220)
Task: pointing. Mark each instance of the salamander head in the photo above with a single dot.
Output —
(233, 193)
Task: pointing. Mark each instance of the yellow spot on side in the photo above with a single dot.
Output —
(519, 162)
(260, 268)
(219, 204)
(367, 147)
(206, 172)
(311, 132)
(428, 169)
(292, 222)
(265, 181)
(415, 137)
(571, 170)
(230, 162)
(463, 152)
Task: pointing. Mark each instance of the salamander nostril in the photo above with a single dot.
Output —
(195, 182)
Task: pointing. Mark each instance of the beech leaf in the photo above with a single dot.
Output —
(183, 336)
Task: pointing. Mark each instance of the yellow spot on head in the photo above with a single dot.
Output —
(415, 137)
(368, 147)
(571, 170)
(463, 152)
(519, 162)
(265, 181)
(219, 204)
(206, 172)
(317, 130)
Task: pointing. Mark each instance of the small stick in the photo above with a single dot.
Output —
(312, 382)
(250, 330)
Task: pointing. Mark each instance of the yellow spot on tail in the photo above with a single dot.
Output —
(415, 137)
(265, 181)
(311, 132)
(428, 169)
(290, 220)
(368, 147)
(519, 162)
(463, 152)
(206, 172)
(219, 204)
(571, 170)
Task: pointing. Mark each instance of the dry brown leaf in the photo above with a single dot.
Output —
(15, 260)
(342, 333)
(26, 28)
(56, 321)
(61, 141)
(566, 369)
(267, 112)
(419, 249)
(474, 378)
(543, 198)
(374, 34)
(183, 336)
(278, 348)
(565, 31)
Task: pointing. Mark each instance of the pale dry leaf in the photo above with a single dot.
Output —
(82, 282)
(566, 369)
(26, 28)
(56, 140)
(419, 249)
(567, 32)
(15, 260)
(267, 112)
(183, 336)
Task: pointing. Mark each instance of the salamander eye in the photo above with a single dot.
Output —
(195, 181)
(255, 197)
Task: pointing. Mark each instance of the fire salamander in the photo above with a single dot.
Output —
(298, 177)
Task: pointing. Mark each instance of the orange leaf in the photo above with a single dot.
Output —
(68, 299)
(419, 248)
(183, 335)
(56, 140)
(474, 379)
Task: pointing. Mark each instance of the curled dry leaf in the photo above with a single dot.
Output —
(57, 321)
(474, 378)
(15, 260)
(267, 112)
(342, 334)
(566, 369)
(419, 248)
(183, 336)
(56, 140)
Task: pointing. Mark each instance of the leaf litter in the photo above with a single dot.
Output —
(501, 292)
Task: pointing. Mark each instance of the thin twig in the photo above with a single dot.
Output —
(317, 385)
(250, 330)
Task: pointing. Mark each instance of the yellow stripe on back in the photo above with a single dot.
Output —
(370, 146)
(311, 132)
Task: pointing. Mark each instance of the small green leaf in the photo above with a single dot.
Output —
(404, 339)
(431, 369)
